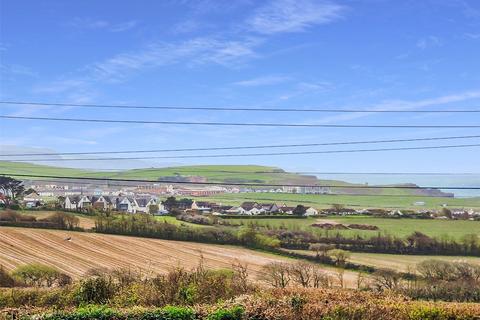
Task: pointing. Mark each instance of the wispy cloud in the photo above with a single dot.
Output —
(82, 85)
(428, 42)
(59, 86)
(16, 70)
(303, 88)
(192, 52)
(408, 105)
(99, 24)
(293, 15)
(473, 36)
(262, 81)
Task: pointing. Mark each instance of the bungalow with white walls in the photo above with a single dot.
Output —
(143, 204)
(78, 202)
(126, 205)
(311, 212)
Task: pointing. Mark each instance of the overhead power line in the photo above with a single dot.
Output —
(262, 109)
(243, 147)
(251, 154)
(242, 124)
(244, 184)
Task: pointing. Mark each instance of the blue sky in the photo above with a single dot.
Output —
(323, 54)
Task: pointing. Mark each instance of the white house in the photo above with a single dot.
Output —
(311, 212)
(85, 202)
(126, 205)
(255, 211)
(105, 203)
(71, 202)
(143, 204)
(236, 210)
(78, 202)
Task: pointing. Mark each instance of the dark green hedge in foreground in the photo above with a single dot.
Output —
(165, 313)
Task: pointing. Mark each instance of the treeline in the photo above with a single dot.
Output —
(144, 225)
(56, 220)
(416, 243)
(433, 280)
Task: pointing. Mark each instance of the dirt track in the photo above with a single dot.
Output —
(89, 250)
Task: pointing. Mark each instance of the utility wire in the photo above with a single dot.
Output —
(252, 154)
(240, 124)
(243, 147)
(244, 184)
(265, 109)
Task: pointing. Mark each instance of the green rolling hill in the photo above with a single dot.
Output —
(224, 174)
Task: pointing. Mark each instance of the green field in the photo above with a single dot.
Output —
(398, 227)
(217, 173)
(351, 201)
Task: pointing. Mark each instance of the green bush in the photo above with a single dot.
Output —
(177, 313)
(37, 275)
(86, 313)
(6, 280)
(95, 290)
(234, 313)
(427, 313)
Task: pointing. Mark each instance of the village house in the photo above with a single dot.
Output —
(311, 212)
(32, 199)
(78, 202)
(106, 203)
(201, 206)
(143, 204)
(269, 207)
(126, 204)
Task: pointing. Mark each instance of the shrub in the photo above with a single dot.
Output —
(37, 275)
(95, 290)
(84, 313)
(340, 256)
(6, 280)
(234, 313)
(63, 220)
(386, 279)
(13, 216)
(177, 313)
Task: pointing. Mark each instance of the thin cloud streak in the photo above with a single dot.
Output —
(293, 15)
(262, 81)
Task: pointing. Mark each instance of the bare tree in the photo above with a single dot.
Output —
(241, 274)
(277, 274)
(340, 275)
(302, 273)
(320, 279)
(386, 279)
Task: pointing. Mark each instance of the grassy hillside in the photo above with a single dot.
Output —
(211, 173)
(11, 168)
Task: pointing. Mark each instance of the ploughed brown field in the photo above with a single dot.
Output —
(76, 252)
